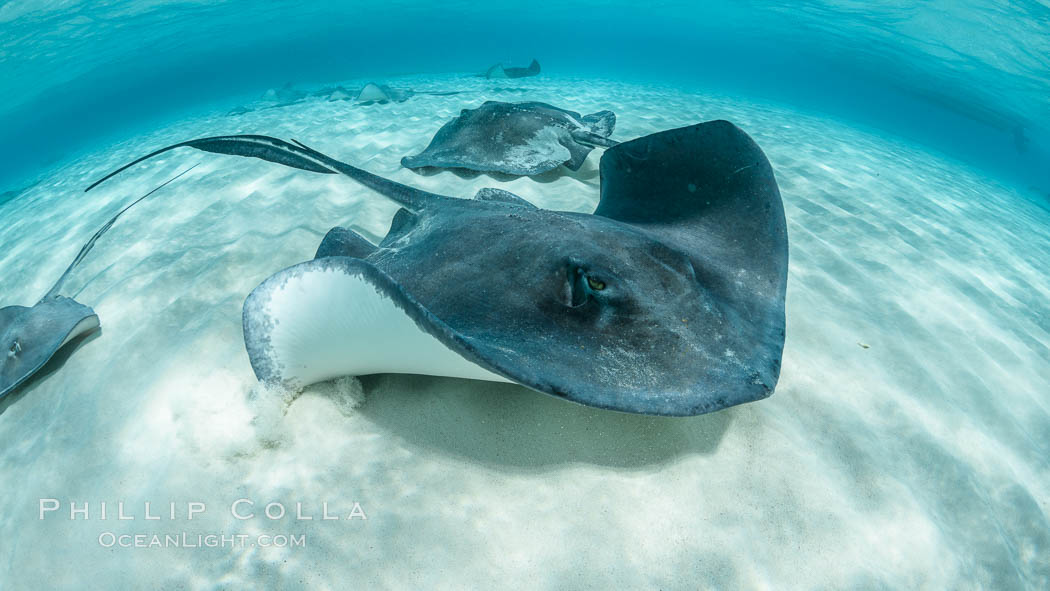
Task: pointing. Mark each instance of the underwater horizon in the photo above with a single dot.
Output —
(462, 321)
(966, 78)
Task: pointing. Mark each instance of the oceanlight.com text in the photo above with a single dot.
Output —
(198, 540)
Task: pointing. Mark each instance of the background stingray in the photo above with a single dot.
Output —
(31, 336)
(381, 93)
(370, 94)
(668, 300)
(273, 98)
(498, 71)
(9, 195)
(516, 138)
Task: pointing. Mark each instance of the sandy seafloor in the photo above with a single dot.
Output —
(919, 461)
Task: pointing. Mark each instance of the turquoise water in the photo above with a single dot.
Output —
(905, 447)
(968, 78)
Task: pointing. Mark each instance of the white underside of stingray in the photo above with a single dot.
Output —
(82, 328)
(316, 322)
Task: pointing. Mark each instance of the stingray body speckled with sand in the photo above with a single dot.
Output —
(667, 300)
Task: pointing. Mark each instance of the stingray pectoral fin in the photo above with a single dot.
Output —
(708, 182)
(32, 336)
(578, 153)
(601, 123)
(415, 161)
(708, 191)
(495, 71)
(340, 241)
(340, 316)
(491, 194)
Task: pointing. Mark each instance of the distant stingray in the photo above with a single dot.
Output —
(370, 94)
(31, 336)
(516, 138)
(667, 300)
(498, 71)
(285, 95)
(10, 195)
(381, 93)
(1021, 140)
(273, 98)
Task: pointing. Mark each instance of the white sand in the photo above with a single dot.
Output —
(920, 461)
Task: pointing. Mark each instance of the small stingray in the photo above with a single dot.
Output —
(369, 95)
(10, 195)
(273, 99)
(286, 95)
(335, 94)
(667, 300)
(498, 71)
(516, 138)
(1021, 140)
(380, 93)
(30, 337)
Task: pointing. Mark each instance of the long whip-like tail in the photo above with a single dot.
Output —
(297, 156)
(593, 139)
(84, 250)
(257, 146)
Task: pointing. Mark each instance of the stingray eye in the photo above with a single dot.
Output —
(15, 349)
(582, 286)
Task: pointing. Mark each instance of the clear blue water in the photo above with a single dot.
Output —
(905, 447)
(970, 78)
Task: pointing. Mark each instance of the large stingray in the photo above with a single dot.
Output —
(498, 71)
(30, 337)
(667, 300)
(516, 138)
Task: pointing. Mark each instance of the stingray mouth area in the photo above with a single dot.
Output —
(340, 316)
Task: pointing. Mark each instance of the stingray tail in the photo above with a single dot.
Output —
(84, 250)
(296, 155)
(408, 197)
(257, 146)
(593, 139)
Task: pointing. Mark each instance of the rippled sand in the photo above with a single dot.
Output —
(905, 446)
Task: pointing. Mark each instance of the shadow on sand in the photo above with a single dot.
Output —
(508, 426)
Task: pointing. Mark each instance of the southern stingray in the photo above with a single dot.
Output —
(667, 300)
(369, 94)
(381, 93)
(498, 71)
(31, 336)
(286, 95)
(516, 138)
